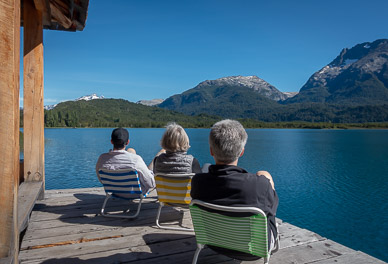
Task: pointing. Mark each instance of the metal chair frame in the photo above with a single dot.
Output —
(219, 208)
(124, 192)
(179, 201)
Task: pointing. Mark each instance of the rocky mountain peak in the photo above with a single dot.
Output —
(253, 82)
(349, 75)
(84, 98)
(90, 97)
(152, 102)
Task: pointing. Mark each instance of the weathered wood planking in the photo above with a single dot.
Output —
(64, 229)
(33, 112)
(9, 127)
(27, 196)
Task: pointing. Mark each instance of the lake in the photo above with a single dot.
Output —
(332, 182)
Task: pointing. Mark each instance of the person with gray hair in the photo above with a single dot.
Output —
(173, 157)
(230, 185)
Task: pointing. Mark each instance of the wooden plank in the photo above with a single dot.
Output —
(89, 231)
(355, 257)
(59, 16)
(9, 127)
(291, 236)
(134, 248)
(27, 196)
(33, 118)
(76, 237)
(87, 224)
(311, 252)
(206, 256)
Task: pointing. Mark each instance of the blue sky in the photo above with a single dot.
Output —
(148, 49)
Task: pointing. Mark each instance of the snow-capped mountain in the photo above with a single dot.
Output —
(253, 82)
(357, 75)
(151, 102)
(90, 97)
(85, 98)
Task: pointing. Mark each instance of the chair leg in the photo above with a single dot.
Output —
(104, 204)
(119, 215)
(199, 248)
(158, 215)
(161, 204)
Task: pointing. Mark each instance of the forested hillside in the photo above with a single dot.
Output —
(117, 113)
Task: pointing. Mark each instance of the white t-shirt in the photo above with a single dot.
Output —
(121, 159)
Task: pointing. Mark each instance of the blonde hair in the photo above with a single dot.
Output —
(175, 138)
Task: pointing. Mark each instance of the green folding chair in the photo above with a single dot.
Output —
(243, 234)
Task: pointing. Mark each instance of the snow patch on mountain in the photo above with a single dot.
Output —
(90, 97)
(85, 98)
(151, 102)
(253, 82)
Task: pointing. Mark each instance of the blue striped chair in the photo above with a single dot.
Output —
(173, 190)
(242, 234)
(122, 184)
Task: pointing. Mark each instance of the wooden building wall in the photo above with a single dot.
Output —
(9, 126)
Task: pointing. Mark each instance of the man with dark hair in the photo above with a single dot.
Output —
(119, 158)
(229, 185)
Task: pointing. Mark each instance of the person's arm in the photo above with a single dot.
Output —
(268, 176)
(147, 176)
(151, 165)
(98, 166)
(196, 167)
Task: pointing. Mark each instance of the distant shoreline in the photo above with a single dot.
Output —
(257, 125)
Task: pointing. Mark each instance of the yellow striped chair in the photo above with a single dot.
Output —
(173, 190)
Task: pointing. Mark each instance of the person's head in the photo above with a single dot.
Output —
(227, 140)
(120, 138)
(175, 138)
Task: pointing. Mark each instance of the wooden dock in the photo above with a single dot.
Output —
(65, 228)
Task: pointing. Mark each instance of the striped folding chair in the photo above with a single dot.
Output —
(243, 234)
(122, 184)
(173, 190)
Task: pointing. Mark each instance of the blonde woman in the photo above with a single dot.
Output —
(173, 157)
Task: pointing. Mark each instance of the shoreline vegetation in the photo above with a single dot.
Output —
(252, 124)
(122, 113)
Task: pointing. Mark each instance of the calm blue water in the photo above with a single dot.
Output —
(333, 182)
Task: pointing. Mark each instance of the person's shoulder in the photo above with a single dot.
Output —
(104, 155)
(199, 176)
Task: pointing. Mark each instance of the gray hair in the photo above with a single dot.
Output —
(227, 140)
(175, 138)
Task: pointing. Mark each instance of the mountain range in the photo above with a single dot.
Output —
(353, 88)
(82, 98)
(356, 76)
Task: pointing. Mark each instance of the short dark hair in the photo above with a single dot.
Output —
(120, 137)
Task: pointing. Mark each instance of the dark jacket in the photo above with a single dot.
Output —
(233, 186)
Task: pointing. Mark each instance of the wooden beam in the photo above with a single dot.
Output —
(44, 7)
(29, 192)
(9, 127)
(58, 15)
(33, 112)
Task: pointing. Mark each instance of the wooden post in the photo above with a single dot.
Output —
(33, 112)
(9, 127)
